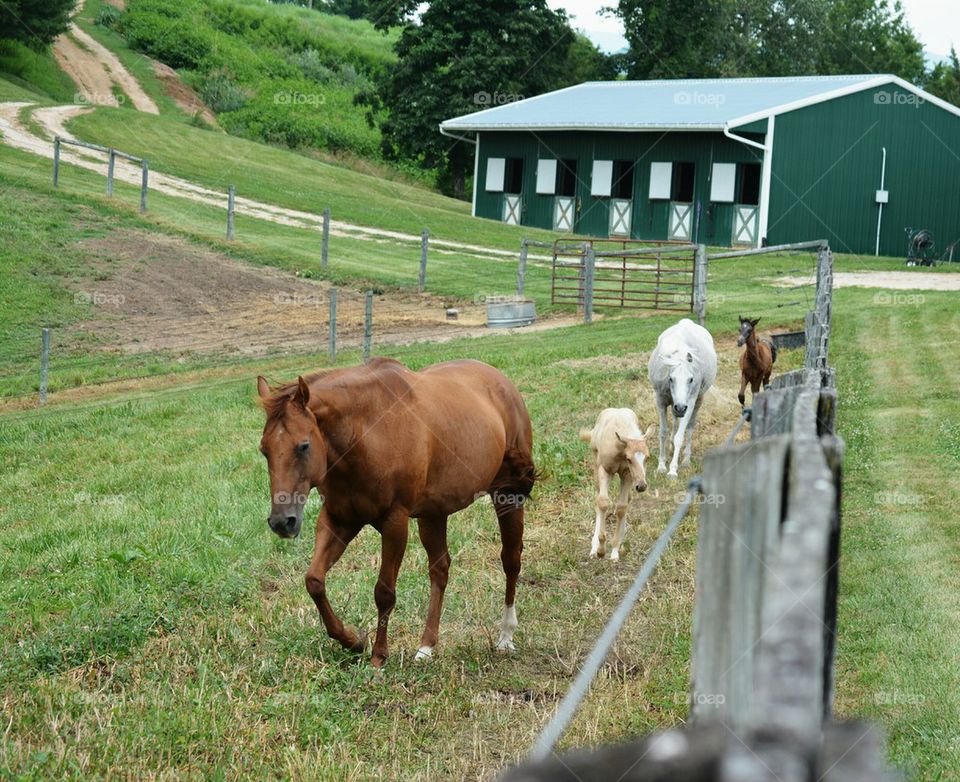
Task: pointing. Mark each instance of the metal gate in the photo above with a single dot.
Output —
(633, 274)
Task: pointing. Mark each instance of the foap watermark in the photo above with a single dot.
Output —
(898, 698)
(696, 98)
(87, 498)
(898, 499)
(898, 98)
(701, 499)
(294, 497)
(99, 299)
(299, 299)
(714, 699)
(294, 98)
(484, 98)
(496, 298)
(99, 98)
(899, 299)
(502, 498)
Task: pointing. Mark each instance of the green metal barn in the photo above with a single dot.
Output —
(853, 159)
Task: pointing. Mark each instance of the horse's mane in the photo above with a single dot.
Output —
(276, 403)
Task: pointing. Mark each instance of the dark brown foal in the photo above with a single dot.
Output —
(756, 362)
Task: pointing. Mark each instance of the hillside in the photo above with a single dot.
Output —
(276, 73)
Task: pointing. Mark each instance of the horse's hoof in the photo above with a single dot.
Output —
(673, 475)
(358, 645)
(614, 556)
(378, 662)
(505, 646)
(661, 468)
(424, 654)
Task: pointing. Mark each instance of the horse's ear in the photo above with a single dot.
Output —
(690, 357)
(263, 387)
(620, 438)
(755, 321)
(302, 396)
(742, 319)
(651, 431)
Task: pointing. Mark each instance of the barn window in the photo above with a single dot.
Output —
(546, 176)
(495, 171)
(722, 181)
(567, 178)
(660, 177)
(749, 184)
(601, 177)
(623, 179)
(513, 179)
(683, 178)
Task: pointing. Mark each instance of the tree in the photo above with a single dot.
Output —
(464, 56)
(355, 9)
(944, 79)
(34, 22)
(717, 38)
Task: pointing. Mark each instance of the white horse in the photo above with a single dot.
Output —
(682, 367)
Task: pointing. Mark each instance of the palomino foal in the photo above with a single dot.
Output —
(619, 448)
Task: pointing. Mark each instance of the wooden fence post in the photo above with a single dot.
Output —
(44, 363)
(589, 262)
(231, 205)
(56, 161)
(111, 166)
(522, 269)
(144, 180)
(325, 248)
(367, 325)
(333, 324)
(424, 242)
(700, 283)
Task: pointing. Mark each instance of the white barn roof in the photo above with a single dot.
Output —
(674, 104)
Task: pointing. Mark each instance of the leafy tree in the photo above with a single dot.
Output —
(944, 79)
(355, 9)
(716, 38)
(467, 55)
(34, 22)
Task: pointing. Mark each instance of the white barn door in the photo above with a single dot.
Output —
(620, 211)
(745, 222)
(681, 220)
(563, 213)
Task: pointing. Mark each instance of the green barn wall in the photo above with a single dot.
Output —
(649, 217)
(826, 171)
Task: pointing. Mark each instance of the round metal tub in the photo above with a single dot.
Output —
(509, 313)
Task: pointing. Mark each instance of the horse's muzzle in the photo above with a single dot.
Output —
(741, 341)
(285, 526)
(679, 410)
(639, 487)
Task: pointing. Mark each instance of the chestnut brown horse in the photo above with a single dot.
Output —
(756, 362)
(383, 444)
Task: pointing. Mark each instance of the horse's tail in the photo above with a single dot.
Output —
(586, 435)
(517, 475)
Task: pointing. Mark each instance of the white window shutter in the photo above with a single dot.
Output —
(722, 183)
(602, 177)
(546, 177)
(661, 176)
(495, 174)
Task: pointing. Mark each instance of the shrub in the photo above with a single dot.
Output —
(109, 16)
(221, 93)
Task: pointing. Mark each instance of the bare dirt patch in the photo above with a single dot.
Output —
(181, 94)
(151, 292)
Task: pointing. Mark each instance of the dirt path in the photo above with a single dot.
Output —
(53, 120)
(902, 281)
(98, 72)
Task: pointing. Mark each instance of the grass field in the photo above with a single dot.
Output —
(151, 622)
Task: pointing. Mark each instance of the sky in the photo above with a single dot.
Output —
(935, 23)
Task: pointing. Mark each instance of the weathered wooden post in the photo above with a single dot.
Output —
(144, 178)
(325, 249)
(56, 161)
(700, 283)
(231, 205)
(44, 363)
(367, 325)
(589, 262)
(522, 269)
(333, 324)
(111, 167)
(424, 243)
